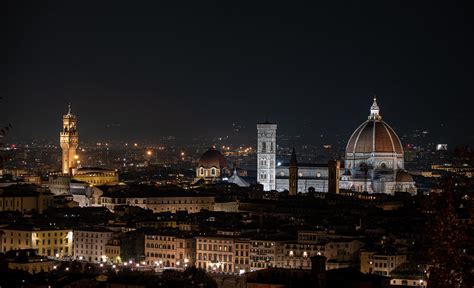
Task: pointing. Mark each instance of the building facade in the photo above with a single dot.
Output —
(215, 254)
(164, 250)
(263, 254)
(191, 204)
(47, 241)
(25, 199)
(96, 176)
(89, 244)
(380, 263)
(310, 177)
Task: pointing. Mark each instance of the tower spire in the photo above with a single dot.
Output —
(375, 110)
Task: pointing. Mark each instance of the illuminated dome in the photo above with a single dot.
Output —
(212, 158)
(374, 136)
(374, 159)
(374, 145)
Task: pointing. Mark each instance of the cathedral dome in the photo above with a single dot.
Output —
(212, 158)
(374, 136)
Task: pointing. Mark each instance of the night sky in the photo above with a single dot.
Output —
(136, 70)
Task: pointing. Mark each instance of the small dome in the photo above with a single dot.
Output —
(403, 176)
(212, 158)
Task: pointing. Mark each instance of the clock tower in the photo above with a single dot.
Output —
(266, 154)
(68, 138)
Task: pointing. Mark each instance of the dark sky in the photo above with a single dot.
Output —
(190, 68)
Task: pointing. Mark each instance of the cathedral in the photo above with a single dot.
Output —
(374, 163)
(374, 159)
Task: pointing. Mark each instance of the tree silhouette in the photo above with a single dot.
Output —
(449, 242)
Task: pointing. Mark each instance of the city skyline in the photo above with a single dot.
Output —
(312, 75)
(236, 144)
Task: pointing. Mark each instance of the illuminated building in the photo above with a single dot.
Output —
(237, 180)
(96, 176)
(69, 140)
(374, 160)
(212, 165)
(59, 184)
(112, 251)
(382, 263)
(340, 252)
(89, 244)
(242, 256)
(215, 254)
(310, 176)
(266, 155)
(263, 253)
(170, 250)
(373, 163)
(174, 202)
(157, 201)
(48, 240)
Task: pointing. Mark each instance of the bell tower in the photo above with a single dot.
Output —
(68, 138)
(293, 181)
(266, 154)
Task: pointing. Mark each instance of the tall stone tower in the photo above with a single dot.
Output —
(69, 140)
(266, 154)
(334, 174)
(293, 181)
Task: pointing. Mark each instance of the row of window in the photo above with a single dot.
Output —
(112, 251)
(215, 247)
(215, 257)
(160, 246)
(38, 242)
(91, 235)
(144, 201)
(160, 255)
